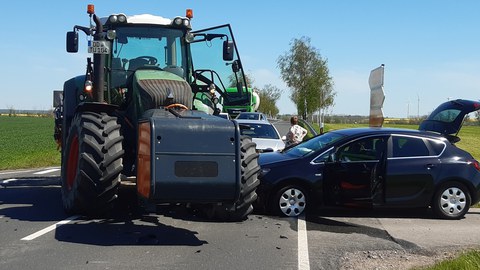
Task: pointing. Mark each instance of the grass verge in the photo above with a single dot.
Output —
(469, 260)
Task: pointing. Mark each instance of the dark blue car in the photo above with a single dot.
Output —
(377, 167)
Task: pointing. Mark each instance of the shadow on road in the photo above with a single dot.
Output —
(32, 199)
(145, 230)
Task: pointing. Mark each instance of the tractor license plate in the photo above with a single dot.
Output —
(99, 47)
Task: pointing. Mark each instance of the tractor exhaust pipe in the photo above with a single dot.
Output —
(98, 64)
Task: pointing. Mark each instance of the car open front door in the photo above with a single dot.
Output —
(447, 119)
(356, 175)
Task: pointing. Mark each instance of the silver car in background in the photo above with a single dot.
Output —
(263, 133)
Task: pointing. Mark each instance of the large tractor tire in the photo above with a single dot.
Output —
(91, 164)
(249, 183)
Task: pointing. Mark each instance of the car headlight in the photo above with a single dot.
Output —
(264, 171)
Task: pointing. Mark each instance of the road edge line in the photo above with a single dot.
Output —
(303, 258)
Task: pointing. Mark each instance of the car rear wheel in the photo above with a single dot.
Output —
(290, 201)
(451, 201)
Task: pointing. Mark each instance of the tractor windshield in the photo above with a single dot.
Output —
(153, 47)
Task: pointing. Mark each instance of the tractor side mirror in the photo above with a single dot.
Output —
(57, 98)
(227, 50)
(72, 42)
(236, 66)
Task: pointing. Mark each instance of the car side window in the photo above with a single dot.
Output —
(437, 146)
(367, 149)
(409, 147)
(323, 157)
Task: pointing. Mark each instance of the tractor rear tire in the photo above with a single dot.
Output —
(91, 164)
(249, 183)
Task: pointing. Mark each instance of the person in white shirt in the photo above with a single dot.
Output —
(296, 133)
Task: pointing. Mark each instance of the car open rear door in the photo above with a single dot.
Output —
(447, 119)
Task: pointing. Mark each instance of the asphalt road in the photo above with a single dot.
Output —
(35, 233)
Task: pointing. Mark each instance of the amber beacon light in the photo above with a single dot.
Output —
(189, 13)
(91, 9)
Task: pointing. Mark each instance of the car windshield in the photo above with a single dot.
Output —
(249, 116)
(314, 144)
(261, 131)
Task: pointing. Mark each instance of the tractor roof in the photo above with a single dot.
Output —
(143, 19)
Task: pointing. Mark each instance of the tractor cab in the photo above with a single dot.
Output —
(147, 47)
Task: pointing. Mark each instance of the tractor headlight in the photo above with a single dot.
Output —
(115, 19)
(88, 86)
(111, 34)
(122, 18)
(189, 37)
(178, 21)
(181, 22)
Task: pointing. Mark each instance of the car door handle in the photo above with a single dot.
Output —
(431, 166)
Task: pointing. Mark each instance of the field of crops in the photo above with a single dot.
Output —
(27, 142)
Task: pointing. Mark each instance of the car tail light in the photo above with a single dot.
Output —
(144, 159)
(476, 165)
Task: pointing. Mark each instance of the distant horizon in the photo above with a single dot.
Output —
(20, 111)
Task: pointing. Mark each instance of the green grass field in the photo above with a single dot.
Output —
(27, 142)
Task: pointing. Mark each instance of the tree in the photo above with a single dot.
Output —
(306, 73)
(269, 96)
(233, 80)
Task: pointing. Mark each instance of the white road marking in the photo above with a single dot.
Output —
(303, 259)
(49, 228)
(48, 171)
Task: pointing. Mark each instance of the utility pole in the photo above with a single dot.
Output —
(408, 108)
(418, 106)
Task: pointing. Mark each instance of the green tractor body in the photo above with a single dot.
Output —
(145, 113)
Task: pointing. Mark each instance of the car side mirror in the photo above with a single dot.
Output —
(227, 50)
(72, 42)
(284, 138)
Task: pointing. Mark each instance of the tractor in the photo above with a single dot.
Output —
(234, 108)
(144, 114)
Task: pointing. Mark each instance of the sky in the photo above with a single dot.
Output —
(430, 48)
